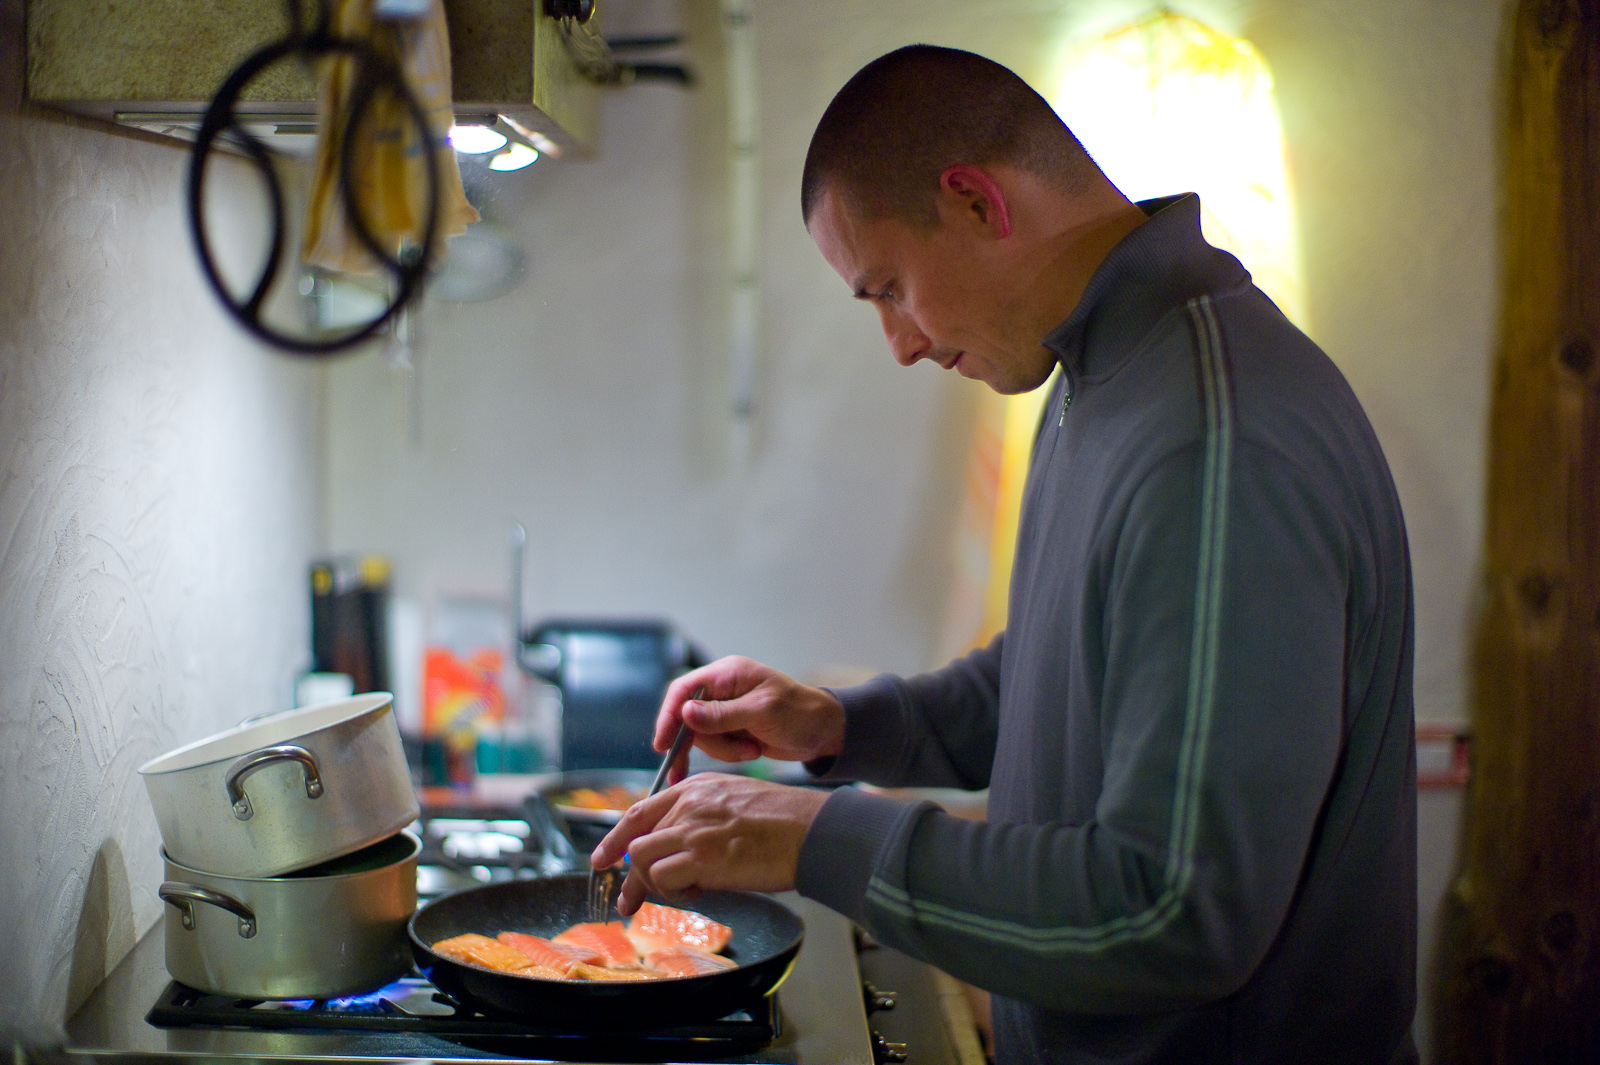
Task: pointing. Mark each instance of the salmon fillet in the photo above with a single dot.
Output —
(686, 961)
(610, 940)
(560, 956)
(655, 927)
(487, 953)
(580, 971)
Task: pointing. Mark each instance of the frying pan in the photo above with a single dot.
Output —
(766, 938)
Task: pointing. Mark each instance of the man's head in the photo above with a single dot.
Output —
(948, 194)
(906, 117)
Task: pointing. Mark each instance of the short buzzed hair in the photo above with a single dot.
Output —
(907, 116)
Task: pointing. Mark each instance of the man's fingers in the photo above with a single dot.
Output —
(641, 818)
(634, 892)
(671, 711)
(728, 748)
(675, 875)
(645, 857)
(719, 715)
(726, 678)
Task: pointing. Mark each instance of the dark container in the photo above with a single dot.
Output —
(612, 675)
(349, 619)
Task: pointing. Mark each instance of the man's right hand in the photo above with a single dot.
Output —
(749, 710)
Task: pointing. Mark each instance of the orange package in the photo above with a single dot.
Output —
(460, 696)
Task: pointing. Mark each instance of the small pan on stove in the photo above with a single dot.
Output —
(766, 939)
(558, 787)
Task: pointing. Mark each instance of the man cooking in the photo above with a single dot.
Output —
(1196, 731)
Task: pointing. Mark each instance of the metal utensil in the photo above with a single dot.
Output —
(603, 881)
(679, 742)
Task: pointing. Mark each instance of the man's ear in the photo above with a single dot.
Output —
(978, 196)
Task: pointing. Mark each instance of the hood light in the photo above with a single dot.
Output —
(476, 140)
(514, 157)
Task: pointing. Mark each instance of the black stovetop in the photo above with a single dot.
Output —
(412, 1004)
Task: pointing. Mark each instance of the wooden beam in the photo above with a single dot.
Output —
(1519, 979)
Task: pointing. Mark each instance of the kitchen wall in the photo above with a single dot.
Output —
(158, 507)
(594, 403)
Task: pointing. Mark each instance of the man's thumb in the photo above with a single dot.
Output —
(713, 716)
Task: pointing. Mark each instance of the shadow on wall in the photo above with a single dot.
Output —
(106, 927)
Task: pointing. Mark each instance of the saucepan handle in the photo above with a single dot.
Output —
(184, 896)
(288, 752)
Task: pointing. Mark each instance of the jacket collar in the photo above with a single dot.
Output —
(1160, 265)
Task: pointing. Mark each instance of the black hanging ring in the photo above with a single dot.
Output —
(374, 72)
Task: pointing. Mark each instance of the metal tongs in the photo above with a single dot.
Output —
(603, 882)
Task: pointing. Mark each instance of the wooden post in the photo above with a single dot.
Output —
(1519, 980)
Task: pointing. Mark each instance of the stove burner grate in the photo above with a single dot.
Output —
(412, 1004)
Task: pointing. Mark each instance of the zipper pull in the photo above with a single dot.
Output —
(1066, 399)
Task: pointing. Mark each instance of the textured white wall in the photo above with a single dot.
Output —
(158, 507)
(594, 402)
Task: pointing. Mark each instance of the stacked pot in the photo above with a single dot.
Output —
(289, 872)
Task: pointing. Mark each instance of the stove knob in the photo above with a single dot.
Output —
(877, 1000)
(887, 1053)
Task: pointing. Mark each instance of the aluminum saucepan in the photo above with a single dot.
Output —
(336, 929)
(285, 792)
(766, 939)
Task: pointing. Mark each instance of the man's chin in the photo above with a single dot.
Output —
(1011, 384)
(1007, 387)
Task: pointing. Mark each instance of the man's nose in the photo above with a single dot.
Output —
(906, 342)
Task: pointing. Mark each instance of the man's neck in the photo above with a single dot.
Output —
(1076, 236)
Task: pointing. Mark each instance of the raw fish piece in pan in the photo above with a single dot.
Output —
(655, 927)
(609, 939)
(555, 955)
(580, 971)
(487, 953)
(686, 961)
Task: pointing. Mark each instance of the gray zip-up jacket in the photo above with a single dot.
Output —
(1197, 728)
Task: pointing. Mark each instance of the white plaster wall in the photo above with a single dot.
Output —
(594, 403)
(158, 507)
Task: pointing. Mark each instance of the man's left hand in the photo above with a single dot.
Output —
(713, 831)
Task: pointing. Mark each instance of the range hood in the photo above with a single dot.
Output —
(154, 65)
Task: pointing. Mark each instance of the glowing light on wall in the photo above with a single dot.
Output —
(1170, 105)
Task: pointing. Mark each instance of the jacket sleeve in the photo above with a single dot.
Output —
(936, 729)
(1223, 629)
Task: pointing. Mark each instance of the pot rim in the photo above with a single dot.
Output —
(241, 739)
(300, 878)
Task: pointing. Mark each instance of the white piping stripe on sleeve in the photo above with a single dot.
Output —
(1199, 704)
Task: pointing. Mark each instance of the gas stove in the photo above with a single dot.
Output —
(412, 1004)
(819, 1014)
(816, 1016)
